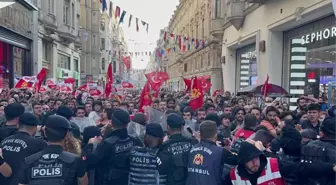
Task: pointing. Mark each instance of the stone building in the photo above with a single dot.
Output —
(194, 19)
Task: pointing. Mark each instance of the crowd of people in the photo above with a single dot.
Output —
(57, 139)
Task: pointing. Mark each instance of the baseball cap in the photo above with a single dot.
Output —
(28, 119)
(175, 121)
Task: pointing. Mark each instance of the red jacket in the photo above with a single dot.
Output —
(243, 133)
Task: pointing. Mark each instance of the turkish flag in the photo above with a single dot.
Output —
(205, 84)
(40, 77)
(156, 79)
(196, 95)
(51, 83)
(127, 84)
(23, 84)
(43, 89)
(187, 83)
(83, 87)
(145, 97)
(109, 81)
(96, 92)
(66, 88)
(127, 62)
(217, 92)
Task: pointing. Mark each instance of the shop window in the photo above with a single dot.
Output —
(246, 66)
(63, 61)
(218, 9)
(18, 55)
(75, 63)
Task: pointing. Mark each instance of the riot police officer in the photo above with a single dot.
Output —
(174, 152)
(53, 165)
(12, 113)
(143, 160)
(22, 144)
(323, 150)
(206, 159)
(110, 158)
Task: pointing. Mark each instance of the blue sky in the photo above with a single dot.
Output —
(155, 12)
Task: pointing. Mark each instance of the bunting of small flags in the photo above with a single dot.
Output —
(182, 43)
(120, 15)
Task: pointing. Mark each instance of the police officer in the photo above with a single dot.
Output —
(12, 113)
(143, 160)
(206, 159)
(17, 147)
(52, 165)
(323, 150)
(111, 156)
(174, 152)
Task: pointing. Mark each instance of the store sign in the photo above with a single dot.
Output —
(318, 36)
(63, 73)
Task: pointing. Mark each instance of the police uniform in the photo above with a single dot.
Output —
(13, 110)
(53, 166)
(144, 163)
(174, 152)
(17, 147)
(111, 157)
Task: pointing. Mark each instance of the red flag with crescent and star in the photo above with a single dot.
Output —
(196, 95)
(156, 79)
(109, 81)
(205, 84)
(127, 62)
(23, 84)
(145, 97)
(126, 84)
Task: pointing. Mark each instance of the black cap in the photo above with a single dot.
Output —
(328, 126)
(75, 131)
(154, 130)
(14, 110)
(57, 122)
(64, 111)
(28, 119)
(247, 152)
(90, 132)
(120, 117)
(175, 120)
(140, 118)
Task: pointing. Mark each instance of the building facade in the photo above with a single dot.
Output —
(195, 19)
(293, 42)
(90, 23)
(58, 39)
(16, 40)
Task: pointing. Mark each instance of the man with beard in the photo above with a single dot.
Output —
(171, 104)
(200, 117)
(301, 107)
(270, 121)
(163, 106)
(239, 116)
(256, 169)
(313, 115)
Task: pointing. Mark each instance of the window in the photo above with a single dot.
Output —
(94, 40)
(63, 61)
(202, 29)
(197, 31)
(102, 46)
(73, 14)
(114, 66)
(185, 67)
(51, 6)
(66, 12)
(75, 63)
(102, 25)
(218, 9)
(103, 64)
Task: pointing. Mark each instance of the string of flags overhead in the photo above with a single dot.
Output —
(143, 53)
(182, 43)
(120, 15)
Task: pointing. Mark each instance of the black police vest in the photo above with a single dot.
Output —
(143, 167)
(50, 169)
(291, 179)
(204, 164)
(319, 151)
(179, 159)
(118, 164)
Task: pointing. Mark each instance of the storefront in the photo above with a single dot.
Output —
(246, 73)
(15, 41)
(310, 59)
